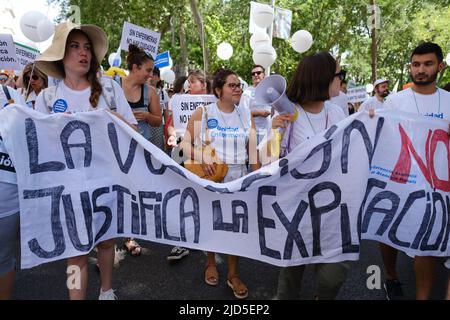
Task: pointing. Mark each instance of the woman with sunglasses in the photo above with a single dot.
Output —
(223, 124)
(34, 80)
(317, 78)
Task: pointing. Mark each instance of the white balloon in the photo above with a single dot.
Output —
(264, 55)
(114, 59)
(263, 16)
(168, 76)
(369, 88)
(35, 27)
(447, 59)
(258, 39)
(224, 51)
(45, 29)
(302, 40)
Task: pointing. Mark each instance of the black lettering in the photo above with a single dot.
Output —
(316, 212)
(326, 147)
(358, 125)
(120, 205)
(57, 230)
(169, 195)
(72, 224)
(264, 223)
(106, 211)
(148, 160)
(393, 230)
(389, 214)
(195, 214)
(292, 229)
(87, 146)
(424, 246)
(112, 133)
(33, 151)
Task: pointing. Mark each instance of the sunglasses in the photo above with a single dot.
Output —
(234, 86)
(34, 77)
(256, 73)
(341, 75)
(3, 79)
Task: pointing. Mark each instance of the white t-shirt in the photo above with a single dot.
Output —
(9, 194)
(436, 105)
(68, 100)
(373, 103)
(248, 101)
(341, 101)
(228, 133)
(307, 125)
(31, 97)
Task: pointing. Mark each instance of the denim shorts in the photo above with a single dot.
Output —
(9, 242)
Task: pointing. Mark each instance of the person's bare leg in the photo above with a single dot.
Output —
(105, 258)
(77, 287)
(424, 269)
(6, 285)
(389, 256)
(233, 278)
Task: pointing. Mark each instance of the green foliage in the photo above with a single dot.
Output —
(337, 26)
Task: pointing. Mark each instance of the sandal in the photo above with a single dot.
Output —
(211, 275)
(133, 247)
(239, 289)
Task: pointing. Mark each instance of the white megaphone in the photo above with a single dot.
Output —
(272, 90)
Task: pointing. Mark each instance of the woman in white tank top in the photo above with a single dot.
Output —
(231, 132)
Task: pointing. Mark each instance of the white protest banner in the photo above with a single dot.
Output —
(282, 23)
(385, 178)
(357, 94)
(25, 54)
(184, 105)
(144, 38)
(8, 58)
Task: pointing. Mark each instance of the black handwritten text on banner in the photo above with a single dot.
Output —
(363, 178)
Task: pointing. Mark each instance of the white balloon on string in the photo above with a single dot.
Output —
(302, 41)
(264, 55)
(258, 39)
(369, 88)
(224, 51)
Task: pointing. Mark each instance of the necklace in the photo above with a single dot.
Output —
(417, 106)
(239, 115)
(310, 123)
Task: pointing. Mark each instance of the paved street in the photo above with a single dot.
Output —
(152, 277)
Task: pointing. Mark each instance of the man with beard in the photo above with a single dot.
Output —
(377, 101)
(423, 98)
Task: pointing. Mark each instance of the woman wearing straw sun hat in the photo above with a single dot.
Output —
(74, 57)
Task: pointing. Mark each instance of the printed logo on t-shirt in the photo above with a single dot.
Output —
(435, 115)
(212, 123)
(59, 106)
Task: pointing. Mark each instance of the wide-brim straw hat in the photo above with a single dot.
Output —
(47, 62)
